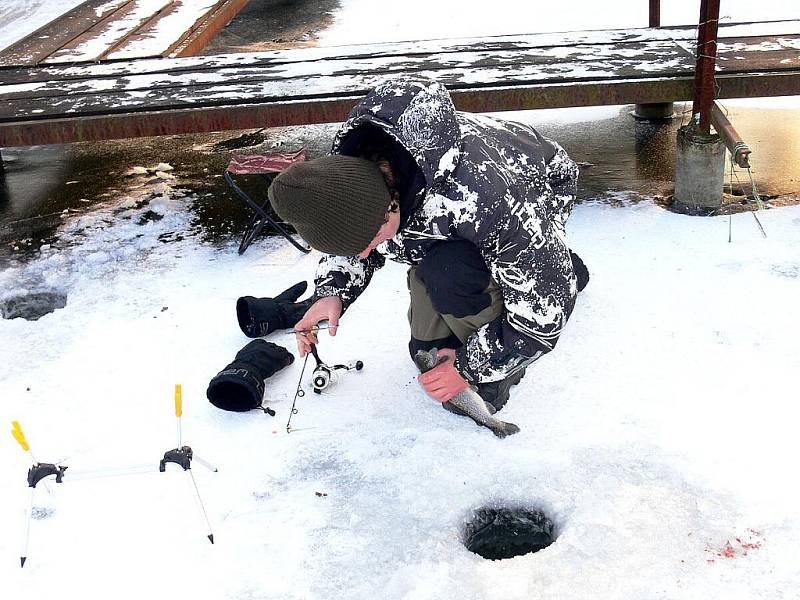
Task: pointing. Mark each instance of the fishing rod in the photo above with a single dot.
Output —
(183, 456)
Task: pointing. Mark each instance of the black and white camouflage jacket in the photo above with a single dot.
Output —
(498, 184)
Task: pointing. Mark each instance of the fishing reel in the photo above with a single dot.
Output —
(324, 375)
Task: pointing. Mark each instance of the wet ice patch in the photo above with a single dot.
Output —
(160, 170)
(791, 270)
(117, 234)
(31, 305)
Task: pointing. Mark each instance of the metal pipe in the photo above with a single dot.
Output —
(706, 58)
(740, 151)
(655, 13)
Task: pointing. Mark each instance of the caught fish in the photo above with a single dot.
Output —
(468, 401)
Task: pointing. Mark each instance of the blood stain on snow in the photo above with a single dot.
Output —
(740, 546)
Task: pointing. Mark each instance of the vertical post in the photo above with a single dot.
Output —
(706, 58)
(655, 13)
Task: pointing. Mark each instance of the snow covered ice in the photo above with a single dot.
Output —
(659, 437)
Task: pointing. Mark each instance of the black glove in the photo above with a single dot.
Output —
(240, 385)
(260, 316)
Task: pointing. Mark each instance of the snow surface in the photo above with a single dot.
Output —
(167, 31)
(19, 18)
(659, 435)
(111, 32)
(356, 21)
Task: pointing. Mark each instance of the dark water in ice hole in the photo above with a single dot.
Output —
(500, 533)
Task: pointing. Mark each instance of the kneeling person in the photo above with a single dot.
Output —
(476, 206)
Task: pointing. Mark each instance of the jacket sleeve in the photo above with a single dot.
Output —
(562, 184)
(528, 258)
(345, 276)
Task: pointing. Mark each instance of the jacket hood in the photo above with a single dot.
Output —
(420, 116)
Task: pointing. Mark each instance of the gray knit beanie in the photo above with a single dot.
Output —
(336, 203)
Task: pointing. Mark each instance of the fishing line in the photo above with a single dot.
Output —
(756, 196)
(322, 377)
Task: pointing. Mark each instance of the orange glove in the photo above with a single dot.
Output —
(443, 381)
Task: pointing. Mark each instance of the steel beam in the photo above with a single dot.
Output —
(335, 109)
(173, 122)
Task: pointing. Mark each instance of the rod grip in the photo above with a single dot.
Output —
(178, 400)
(19, 436)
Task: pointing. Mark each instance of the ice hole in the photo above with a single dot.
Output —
(498, 533)
(32, 305)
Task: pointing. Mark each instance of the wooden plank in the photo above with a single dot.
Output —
(46, 40)
(196, 40)
(109, 33)
(172, 27)
(152, 97)
(397, 49)
(120, 29)
(203, 98)
(559, 62)
(335, 109)
(319, 78)
(640, 57)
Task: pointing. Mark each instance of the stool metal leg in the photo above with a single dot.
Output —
(262, 216)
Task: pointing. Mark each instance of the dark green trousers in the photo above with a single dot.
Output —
(452, 295)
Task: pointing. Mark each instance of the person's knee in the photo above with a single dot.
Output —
(415, 345)
(455, 277)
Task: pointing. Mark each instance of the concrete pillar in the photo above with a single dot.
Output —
(699, 170)
(654, 111)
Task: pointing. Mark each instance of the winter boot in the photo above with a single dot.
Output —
(259, 316)
(581, 272)
(240, 386)
(496, 393)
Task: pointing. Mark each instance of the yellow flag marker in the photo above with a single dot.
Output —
(178, 400)
(19, 436)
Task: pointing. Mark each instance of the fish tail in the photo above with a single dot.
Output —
(503, 429)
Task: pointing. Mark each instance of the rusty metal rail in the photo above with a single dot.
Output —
(740, 151)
